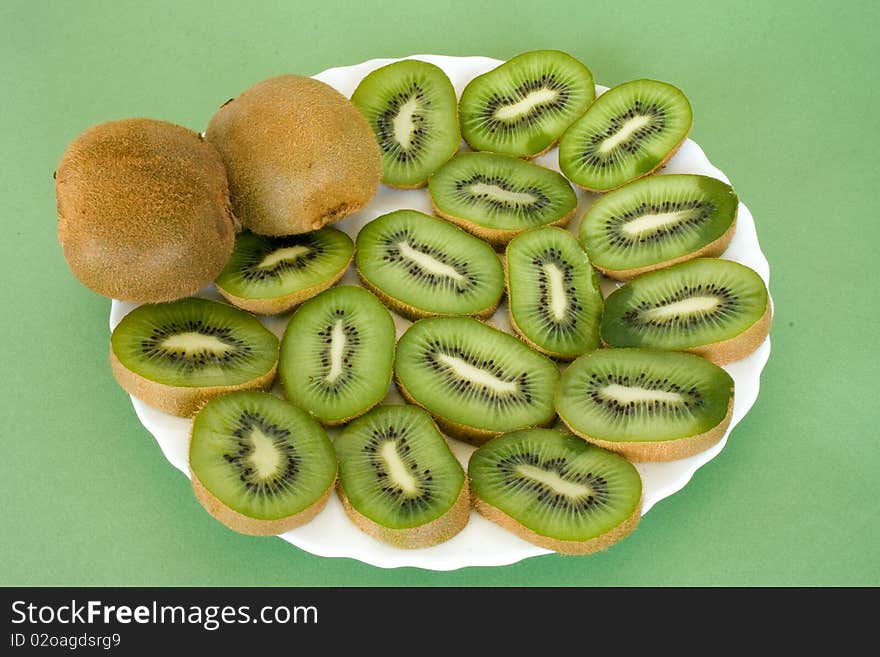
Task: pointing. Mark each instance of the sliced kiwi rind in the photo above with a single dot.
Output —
(398, 479)
(423, 266)
(522, 107)
(556, 490)
(412, 109)
(646, 404)
(271, 275)
(658, 221)
(716, 308)
(496, 197)
(475, 380)
(554, 298)
(259, 464)
(337, 353)
(177, 355)
(628, 132)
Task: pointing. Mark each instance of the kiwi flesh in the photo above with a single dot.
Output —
(555, 490)
(412, 109)
(646, 404)
(337, 353)
(259, 464)
(177, 355)
(477, 381)
(630, 131)
(143, 210)
(658, 221)
(398, 480)
(298, 153)
(522, 107)
(422, 266)
(554, 298)
(716, 308)
(496, 197)
(271, 275)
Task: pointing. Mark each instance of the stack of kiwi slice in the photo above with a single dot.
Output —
(554, 441)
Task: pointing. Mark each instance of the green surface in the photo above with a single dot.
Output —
(782, 95)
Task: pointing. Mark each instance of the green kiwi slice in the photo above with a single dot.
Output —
(259, 464)
(398, 479)
(646, 404)
(271, 275)
(658, 221)
(336, 354)
(553, 293)
(177, 355)
(497, 197)
(412, 109)
(555, 490)
(423, 266)
(716, 308)
(521, 107)
(476, 380)
(628, 132)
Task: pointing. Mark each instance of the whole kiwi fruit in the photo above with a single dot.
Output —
(143, 210)
(298, 153)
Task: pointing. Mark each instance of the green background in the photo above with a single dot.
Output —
(782, 95)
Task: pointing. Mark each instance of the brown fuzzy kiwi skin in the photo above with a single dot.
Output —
(662, 163)
(143, 210)
(711, 250)
(590, 546)
(278, 305)
(661, 450)
(255, 526)
(437, 531)
(736, 348)
(497, 237)
(180, 400)
(299, 155)
(413, 313)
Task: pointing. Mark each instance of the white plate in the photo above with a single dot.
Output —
(481, 543)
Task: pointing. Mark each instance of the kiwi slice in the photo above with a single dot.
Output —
(646, 404)
(411, 106)
(177, 355)
(553, 293)
(716, 308)
(658, 221)
(521, 107)
(630, 131)
(398, 479)
(423, 266)
(336, 354)
(271, 275)
(497, 197)
(476, 380)
(555, 490)
(259, 464)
